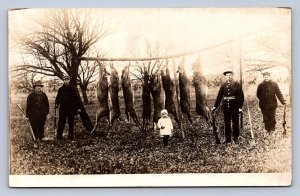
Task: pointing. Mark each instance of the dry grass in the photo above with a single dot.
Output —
(125, 150)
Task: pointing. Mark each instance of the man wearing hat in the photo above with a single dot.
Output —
(69, 106)
(267, 91)
(232, 95)
(37, 110)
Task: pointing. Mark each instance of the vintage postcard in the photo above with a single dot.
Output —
(140, 97)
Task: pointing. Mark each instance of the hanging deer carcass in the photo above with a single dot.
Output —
(157, 95)
(115, 112)
(169, 89)
(146, 96)
(102, 95)
(184, 88)
(201, 89)
(128, 97)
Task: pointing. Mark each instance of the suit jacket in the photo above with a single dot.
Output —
(230, 89)
(267, 93)
(37, 105)
(67, 100)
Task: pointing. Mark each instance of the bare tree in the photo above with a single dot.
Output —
(24, 81)
(270, 50)
(53, 85)
(86, 75)
(153, 49)
(64, 36)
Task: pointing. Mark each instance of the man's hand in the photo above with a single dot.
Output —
(240, 110)
(213, 109)
(79, 111)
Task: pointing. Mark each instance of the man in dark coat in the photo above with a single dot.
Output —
(69, 106)
(267, 91)
(37, 110)
(232, 95)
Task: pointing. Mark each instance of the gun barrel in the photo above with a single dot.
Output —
(242, 122)
(215, 128)
(23, 112)
(54, 116)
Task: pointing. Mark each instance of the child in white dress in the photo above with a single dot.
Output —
(166, 127)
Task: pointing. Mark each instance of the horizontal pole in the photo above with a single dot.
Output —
(153, 58)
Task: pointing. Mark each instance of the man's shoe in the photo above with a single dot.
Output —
(267, 133)
(226, 142)
(59, 138)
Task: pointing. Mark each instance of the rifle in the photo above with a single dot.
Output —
(215, 127)
(250, 120)
(241, 119)
(32, 133)
(284, 121)
(54, 116)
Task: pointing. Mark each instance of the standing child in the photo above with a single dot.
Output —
(166, 127)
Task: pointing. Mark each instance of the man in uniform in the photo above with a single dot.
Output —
(69, 106)
(37, 110)
(267, 91)
(233, 98)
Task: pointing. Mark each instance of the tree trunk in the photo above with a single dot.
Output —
(84, 94)
(85, 119)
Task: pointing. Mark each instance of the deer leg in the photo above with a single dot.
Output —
(96, 123)
(154, 126)
(176, 118)
(127, 116)
(135, 119)
(109, 123)
(208, 117)
(144, 123)
(189, 117)
(112, 120)
(147, 123)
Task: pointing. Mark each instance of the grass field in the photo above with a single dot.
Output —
(125, 150)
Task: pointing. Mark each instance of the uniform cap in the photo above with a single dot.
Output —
(266, 74)
(38, 83)
(66, 77)
(226, 72)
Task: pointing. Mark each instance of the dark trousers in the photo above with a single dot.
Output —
(61, 125)
(37, 125)
(231, 115)
(166, 140)
(269, 119)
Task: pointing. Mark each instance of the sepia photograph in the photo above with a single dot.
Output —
(150, 97)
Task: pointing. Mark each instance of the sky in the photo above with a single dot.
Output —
(180, 30)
